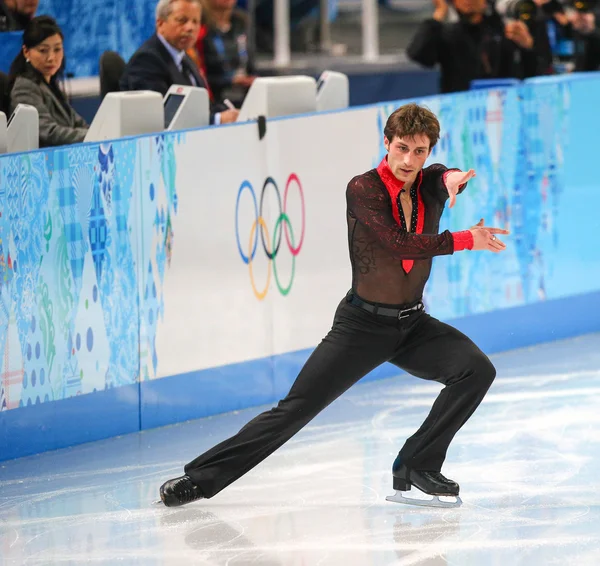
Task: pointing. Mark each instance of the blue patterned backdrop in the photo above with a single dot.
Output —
(70, 307)
(90, 28)
(515, 139)
(94, 26)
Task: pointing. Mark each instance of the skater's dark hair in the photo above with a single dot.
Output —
(412, 120)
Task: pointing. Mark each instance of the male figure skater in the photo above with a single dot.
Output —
(393, 215)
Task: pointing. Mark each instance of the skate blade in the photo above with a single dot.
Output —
(157, 503)
(435, 501)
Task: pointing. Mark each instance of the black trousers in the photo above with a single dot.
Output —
(357, 343)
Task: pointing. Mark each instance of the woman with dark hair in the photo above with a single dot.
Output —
(34, 80)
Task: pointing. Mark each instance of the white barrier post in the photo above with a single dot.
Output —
(370, 30)
(282, 33)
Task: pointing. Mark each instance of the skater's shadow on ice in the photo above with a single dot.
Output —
(422, 537)
(419, 536)
(215, 538)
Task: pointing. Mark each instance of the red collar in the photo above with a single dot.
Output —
(394, 187)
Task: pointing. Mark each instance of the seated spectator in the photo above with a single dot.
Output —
(22, 12)
(4, 94)
(477, 46)
(222, 48)
(7, 21)
(34, 79)
(162, 60)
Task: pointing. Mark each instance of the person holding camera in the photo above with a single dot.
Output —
(581, 16)
(574, 40)
(480, 45)
(536, 14)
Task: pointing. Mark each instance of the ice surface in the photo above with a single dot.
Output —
(527, 463)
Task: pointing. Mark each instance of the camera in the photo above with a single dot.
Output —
(584, 5)
(524, 10)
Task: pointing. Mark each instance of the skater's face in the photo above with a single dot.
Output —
(407, 155)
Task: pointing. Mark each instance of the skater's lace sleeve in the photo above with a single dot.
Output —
(370, 211)
(435, 176)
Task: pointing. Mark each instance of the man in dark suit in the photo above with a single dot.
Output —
(162, 60)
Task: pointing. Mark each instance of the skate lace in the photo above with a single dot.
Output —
(186, 490)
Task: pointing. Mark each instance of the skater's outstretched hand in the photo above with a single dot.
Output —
(484, 237)
(455, 180)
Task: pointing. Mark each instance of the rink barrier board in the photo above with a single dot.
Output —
(198, 394)
(204, 393)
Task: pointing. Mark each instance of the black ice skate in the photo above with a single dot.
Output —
(179, 491)
(429, 482)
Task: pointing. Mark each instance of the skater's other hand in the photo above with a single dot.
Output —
(454, 181)
(484, 237)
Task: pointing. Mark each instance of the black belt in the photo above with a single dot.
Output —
(385, 311)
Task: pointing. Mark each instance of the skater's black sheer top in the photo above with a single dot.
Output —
(390, 263)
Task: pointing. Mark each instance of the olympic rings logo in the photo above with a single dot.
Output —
(270, 246)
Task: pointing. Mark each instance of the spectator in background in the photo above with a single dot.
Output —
(34, 79)
(7, 21)
(579, 29)
(537, 15)
(304, 25)
(162, 60)
(574, 37)
(23, 12)
(4, 95)
(222, 49)
(478, 46)
(538, 27)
